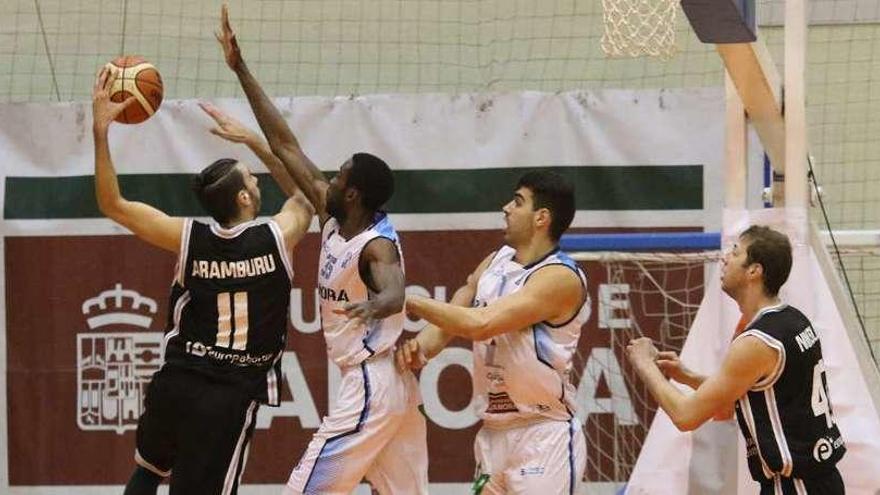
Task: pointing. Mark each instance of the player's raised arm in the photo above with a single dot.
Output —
(281, 139)
(234, 131)
(145, 221)
(296, 213)
(549, 295)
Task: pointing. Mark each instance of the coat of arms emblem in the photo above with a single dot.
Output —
(116, 359)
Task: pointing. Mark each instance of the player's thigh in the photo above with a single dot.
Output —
(830, 484)
(214, 438)
(156, 440)
(402, 465)
(349, 439)
(490, 456)
(549, 459)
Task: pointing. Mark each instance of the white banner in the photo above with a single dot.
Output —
(608, 127)
(417, 133)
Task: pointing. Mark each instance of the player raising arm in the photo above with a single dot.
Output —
(228, 323)
(375, 430)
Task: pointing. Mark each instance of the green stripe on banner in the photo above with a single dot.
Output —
(678, 187)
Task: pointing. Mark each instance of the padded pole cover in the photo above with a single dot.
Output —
(722, 21)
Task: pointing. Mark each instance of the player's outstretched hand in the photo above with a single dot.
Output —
(409, 356)
(227, 40)
(227, 127)
(104, 110)
(364, 311)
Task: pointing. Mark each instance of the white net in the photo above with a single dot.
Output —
(636, 28)
(863, 273)
(640, 294)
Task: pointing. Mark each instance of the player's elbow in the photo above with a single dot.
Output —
(685, 426)
(304, 204)
(397, 305)
(687, 423)
(481, 327)
(110, 207)
(389, 304)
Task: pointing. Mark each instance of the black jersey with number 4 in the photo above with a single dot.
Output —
(229, 305)
(786, 418)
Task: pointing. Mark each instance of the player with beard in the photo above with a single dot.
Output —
(375, 430)
(523, 308)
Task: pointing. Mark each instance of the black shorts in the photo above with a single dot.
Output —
(195, 429)
(829, 484)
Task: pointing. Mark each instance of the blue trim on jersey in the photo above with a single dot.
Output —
(382, 226)
(571, 457)
(567, 260)
(571, 265)
(334, 444)
(502, 286)
(542, 258)
(584, 300)
(372, 333)
(542, 343)
(369, 349)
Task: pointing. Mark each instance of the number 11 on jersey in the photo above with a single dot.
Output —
(232, 320)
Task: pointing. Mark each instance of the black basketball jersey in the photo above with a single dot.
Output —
(229, 305)
(786, 418)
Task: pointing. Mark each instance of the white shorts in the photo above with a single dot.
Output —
(547, 458)
(375, 431)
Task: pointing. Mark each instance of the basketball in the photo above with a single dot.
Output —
(139, 78)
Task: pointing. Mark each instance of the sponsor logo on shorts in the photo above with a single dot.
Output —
(532, 471)
(823, 449)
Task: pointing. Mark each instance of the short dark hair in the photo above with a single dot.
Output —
(554, 192)
(372, 178)
(771, 250)
(216, 187)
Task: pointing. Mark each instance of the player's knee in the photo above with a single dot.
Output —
(142, 482)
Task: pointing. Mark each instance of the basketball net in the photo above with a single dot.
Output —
(637, 28)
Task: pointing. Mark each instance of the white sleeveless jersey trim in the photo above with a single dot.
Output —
(349, 342)
(181, 303)
(778, 432)
(272, 379)
(523, 375)
(282, 247)
(767, 309)
(225, 233)
(769, 380)
(746, 407)
(180, 267)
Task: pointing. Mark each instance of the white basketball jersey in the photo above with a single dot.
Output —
(523, 374)
(349, 342)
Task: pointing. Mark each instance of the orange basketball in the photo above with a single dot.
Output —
(136, 77)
